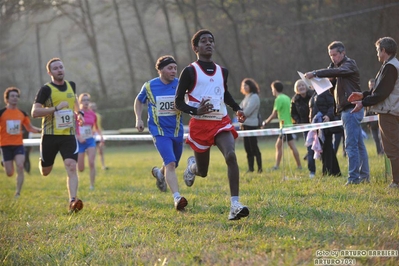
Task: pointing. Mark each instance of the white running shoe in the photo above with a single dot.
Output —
(161, 183)
(189, 177)
(238, 211)
(180, 203)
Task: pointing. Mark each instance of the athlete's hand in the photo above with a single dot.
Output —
(81, 119)
(140, 125)
(62, 105)
(240, 116)
(205, 107)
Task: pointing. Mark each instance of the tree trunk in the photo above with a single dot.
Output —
(186, 26)
(93, 44)
(39, 55)
(126, 47)
(143, 33)
(169, 27)
(236, 36)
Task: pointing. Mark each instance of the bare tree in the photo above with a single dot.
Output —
(165, 11)
(185, 15)
(125, 46)
(264, 39)
(235, 25)
(85, 22)
(144, 34)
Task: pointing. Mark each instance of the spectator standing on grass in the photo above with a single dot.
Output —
(322, 111)
(347, 77)
(99, 144)
(384, 100)
(57, 104)
(373, 125)
(250, 106)
(85, 135)
(165, 124)
(11, 140)
(300, 115)
(205, 85)
(282, 111)
(339, 135)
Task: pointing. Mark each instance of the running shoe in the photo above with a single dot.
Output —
(238, 211)
(75, 205)
(161, 183)
(180, 203)
(189, 177)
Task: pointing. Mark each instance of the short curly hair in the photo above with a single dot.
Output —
(197, 36)
(8, 91)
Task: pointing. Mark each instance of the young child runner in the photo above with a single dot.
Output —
(100, 144)
(85, 136)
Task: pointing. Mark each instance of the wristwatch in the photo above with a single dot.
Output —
(314, 73)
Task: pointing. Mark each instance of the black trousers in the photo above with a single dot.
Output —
(328, 156)
(252, 150)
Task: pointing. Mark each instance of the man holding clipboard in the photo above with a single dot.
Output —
(346, 73)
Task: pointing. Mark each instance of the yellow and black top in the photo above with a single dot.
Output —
(61, 122)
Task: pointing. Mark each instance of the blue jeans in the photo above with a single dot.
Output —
(358, 162)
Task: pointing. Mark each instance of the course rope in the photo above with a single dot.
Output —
(245, 133)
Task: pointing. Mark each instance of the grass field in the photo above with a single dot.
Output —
(126, 220)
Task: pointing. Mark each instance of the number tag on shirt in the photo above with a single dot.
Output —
(13, 127)
(64, 118)
(215, 102)
(85, 132)
(166, 105)
(216, 114)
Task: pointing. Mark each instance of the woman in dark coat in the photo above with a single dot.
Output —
(322, 108)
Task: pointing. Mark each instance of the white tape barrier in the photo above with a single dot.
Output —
(245, 133)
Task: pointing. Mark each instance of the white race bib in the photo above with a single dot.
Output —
(13, 127)
(166, 105)
(85, 132)
(216, 114)
(64, 118)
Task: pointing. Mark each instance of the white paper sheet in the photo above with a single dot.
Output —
(320, 85)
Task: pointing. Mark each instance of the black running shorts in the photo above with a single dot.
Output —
(67, 145)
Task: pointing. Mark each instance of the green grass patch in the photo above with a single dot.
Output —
(126, 220)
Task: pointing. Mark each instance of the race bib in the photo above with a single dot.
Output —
(13, 127)
(215, 101)
(64, 118)
(85, 132)
(166, 105)
(216, 113)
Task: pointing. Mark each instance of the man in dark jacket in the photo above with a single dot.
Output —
(346, 73)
